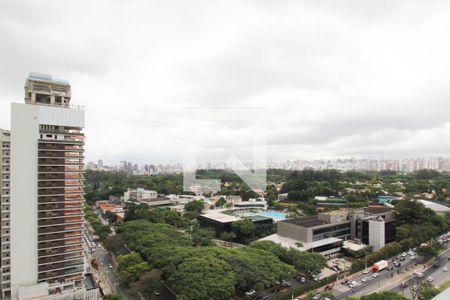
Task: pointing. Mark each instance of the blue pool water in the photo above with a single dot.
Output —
(275, 215)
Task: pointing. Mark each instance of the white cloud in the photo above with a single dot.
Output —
(338, 78)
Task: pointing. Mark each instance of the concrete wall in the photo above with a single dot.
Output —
(24, 231)
(293, 231)
(376, 234)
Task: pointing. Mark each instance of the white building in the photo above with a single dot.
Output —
(42, 213)
(139, 195)
(377, 233)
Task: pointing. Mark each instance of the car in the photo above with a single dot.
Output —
(317, 297)
(430, 279)
(346, 281)
(415, 288)
(404, 254)
(285, 283)
(365, 279)
(436, 265)
(449, 258)
(352, 284)
(110, 266)
(445, 269)
(402, 258)
(397, 263)
(403, 285)
(250, 293)
(375, 275)
(157, 293)
(412, 257)
(418, 274)
(366, 271)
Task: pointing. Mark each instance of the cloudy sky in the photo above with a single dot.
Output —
(326, 78)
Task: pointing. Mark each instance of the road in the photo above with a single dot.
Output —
(391, 280)
(104, 261)
(438, 275)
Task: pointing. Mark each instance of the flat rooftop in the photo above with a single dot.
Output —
(377, 210)
(289, 242)
(220, 217)
(435, 206)
(306, 222)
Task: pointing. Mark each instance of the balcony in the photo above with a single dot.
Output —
(60, 258)
(60, 274)
(60, 221)
(60, 243)
(59, 213)
(48, 145)
(60, 236)
(60, 229)
(60, 183)
(60, 162)
(51, 191)
(59, 206)
(50, 252)
(60, 265)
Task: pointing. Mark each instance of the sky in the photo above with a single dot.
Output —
(319, 79)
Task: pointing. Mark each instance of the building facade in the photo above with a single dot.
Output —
(43, 229)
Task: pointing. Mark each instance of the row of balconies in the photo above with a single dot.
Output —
(59, 214)
(58, 251)
(59, 147)
(60, 191)
(69, 198)
(49, 184)
(60, 176)
(61, 169)
(60, 236)
(59, 206)
(60, 243)
(59, 258)
(59, 275)
(60, 228)
(59, 154)
(60, 265)
(59, 161)
(60, 221)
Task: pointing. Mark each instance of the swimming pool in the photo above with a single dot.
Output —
(275, 215)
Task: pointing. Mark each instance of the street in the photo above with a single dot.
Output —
(106, 275)
(391, 280)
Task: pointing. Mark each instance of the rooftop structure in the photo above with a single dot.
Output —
(436, 207)
(43, 174)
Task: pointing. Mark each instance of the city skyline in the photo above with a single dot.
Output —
(337, 79)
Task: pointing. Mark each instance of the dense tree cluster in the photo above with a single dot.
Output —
(101, 230)
(304, 262)
(209, 272)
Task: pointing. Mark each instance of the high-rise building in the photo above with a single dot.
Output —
(42, 203)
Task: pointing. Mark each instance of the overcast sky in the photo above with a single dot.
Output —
(333, 78)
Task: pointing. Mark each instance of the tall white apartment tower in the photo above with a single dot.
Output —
(42, 193)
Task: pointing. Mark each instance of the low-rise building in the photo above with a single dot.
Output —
(139, 194)
(374, 226)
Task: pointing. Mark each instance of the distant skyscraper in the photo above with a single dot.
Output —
(42, 172)
(100, 163)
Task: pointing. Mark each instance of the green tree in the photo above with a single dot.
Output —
(243, 229)
(112, 297)
(384, 296)
(195, 206)
(199, 278)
